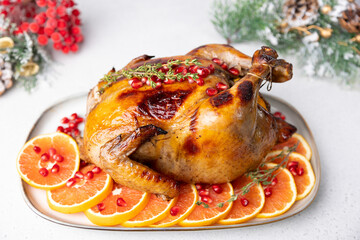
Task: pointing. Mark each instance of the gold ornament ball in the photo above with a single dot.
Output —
(325, 33)
(326, 9)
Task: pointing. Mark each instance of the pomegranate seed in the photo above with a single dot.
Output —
(79, 174)
(79, 120)
(76, 132)
(55, 168)
(96, 170)
(52, 152)
(211, 91)
(204, 192)
(211, 68)
(136, 83)
(60, 129)
(144, 79)
(179, 69)
(73, 116)
(206, 199)
(101, 206)
(64, 120)
(58, 158)
(45, 157)
(279, 115)
(198, 186)
(89, 175)
(274, 182)
(83, 163)
(163, 69)
(37, 149)
(67, 130)
(200, 82)
(158, 85)
(221, 86)
(121, 202)
(224, 66)
(234, 71)
(193, 68)
(42, 39)
(203, 72)
(44, 172)
(267, 192)
(169, 81)
(190, 80)
(300, 171)
(174, 210)
(155, 78)
(244, 202)
(294, 164)
(217, 188)
(70, 182)
(72, 125)
(217, 61)
(293, 171)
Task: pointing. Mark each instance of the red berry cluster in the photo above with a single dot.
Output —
(294, 168)
(53, 20)
(72, 125)
(79, 175)
(45, 157)
(204, 191)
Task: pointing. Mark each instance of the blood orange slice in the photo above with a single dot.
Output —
(246, 206)
(303, 147)
(280, 195)
(48, 161)
(202, 216)
(119, 206)
(85, 190)
(156, 210)
(300, 168)
(184, 206)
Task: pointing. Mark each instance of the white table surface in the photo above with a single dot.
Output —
(117, 31)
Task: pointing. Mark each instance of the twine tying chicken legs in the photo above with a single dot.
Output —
(269, 86)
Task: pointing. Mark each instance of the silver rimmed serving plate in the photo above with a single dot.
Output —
(49, 120)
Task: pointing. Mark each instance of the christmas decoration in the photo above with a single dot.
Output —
(26, 27)
(322, 35)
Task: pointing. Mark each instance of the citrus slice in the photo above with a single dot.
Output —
(184, 206)
(119, 206)
(202, 216)
(280, 195)
(156, 210)
(303, 148)
(89, 187)
(300, 168)
(48, 161)
(246, 206)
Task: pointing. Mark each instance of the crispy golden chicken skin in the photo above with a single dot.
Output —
(149, 139)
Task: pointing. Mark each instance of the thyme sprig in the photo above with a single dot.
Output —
(161, 71)
(259, 176)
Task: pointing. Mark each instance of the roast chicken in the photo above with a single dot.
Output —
(152, 139)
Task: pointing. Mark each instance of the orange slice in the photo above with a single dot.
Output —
(82, 192)
(303, 148)
(184, 206)
(156, 210)
(46, 169)
(202, 216)
(119, 206)
(246, 206)
(283, 193)
(302, 172)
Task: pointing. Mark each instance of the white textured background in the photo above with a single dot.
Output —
(117, 31)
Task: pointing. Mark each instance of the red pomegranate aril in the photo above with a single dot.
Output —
(206, 199)
(274, 182)
(158, 85)
(79, 120)
(96, 170)
(73, 116)
(76, 132)
(190, 80)
(200, 82)
(203, 72)
(79, 174)
(174, 211)
(58, 158)
(293, 171)
(211, 68)
(121, 202)
(45, 157)
(300, 171)
(279, 115)
(101, 206)
(234, 71)
(224, 66)
(198, 186)
(144, 79)
(204, 192)
(169, 81)
(155, 78)
(136, 83)
(55, 168)
(211, 91)
(72, 125)
(89, 175)
(217, 61)
(67, 130)
(60, 129)
(179, 69)
(244, 202)
(294, 164)
(193, 68)
(221, 86)
(70, 182)
(217, 188)
(64, 120)
(163, 69)
(37, 149)
(83, 163)
(44, 172)
(267, 192)
(52, 152)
